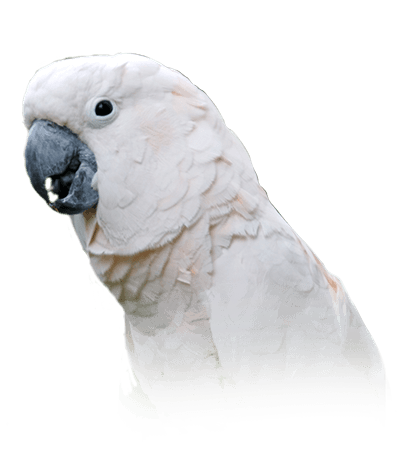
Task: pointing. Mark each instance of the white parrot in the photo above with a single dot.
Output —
(225, 305)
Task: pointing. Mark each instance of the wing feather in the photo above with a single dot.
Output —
(277, 315)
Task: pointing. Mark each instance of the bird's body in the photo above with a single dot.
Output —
(223, 301)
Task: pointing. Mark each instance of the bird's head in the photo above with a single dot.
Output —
(129, 134)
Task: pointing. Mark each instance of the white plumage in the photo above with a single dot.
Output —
(224, 303)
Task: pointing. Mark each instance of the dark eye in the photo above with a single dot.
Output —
(103, 108)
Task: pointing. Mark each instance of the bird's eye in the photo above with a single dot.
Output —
(103, 108)
(101, 111)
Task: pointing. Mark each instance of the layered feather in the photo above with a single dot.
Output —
(217, 289)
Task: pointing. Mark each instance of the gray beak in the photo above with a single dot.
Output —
(55, 152)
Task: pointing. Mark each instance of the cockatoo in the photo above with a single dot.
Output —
(225, 305)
